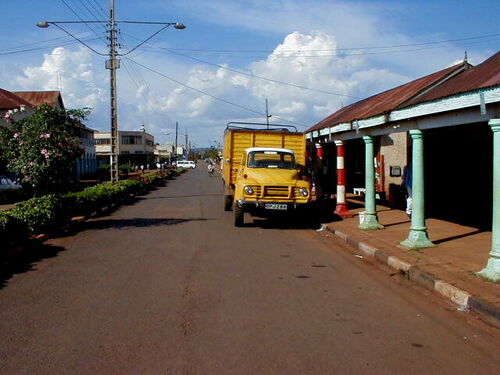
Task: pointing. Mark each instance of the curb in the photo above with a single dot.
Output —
(464, 300)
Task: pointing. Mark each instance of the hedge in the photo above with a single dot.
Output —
(43, 214)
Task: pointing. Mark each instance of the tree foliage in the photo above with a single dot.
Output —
(212, 153)
(41, 149)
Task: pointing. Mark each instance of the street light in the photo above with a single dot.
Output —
(112, 64)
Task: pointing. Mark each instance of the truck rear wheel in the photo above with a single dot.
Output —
(239, 216)
(228, 202)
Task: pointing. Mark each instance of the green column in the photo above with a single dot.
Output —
(492, 269)
(417, 237)
(370, 219)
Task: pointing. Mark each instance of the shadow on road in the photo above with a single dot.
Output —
(26, 260)
(135, 222)
(182, 196)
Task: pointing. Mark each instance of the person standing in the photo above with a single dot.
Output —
(407, 185)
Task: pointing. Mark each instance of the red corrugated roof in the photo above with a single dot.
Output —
(51, 98)
(385, 101)
(9, 100)
(484, 75)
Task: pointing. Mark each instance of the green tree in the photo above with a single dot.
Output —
(41, 149)
(211, 153)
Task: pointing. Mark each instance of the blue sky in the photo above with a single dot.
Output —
(336, 51)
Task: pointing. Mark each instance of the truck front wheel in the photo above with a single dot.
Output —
(239, 218)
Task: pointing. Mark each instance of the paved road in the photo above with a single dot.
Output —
(169, 286)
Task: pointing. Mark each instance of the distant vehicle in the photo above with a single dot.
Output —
(7, 184)
(186, 164)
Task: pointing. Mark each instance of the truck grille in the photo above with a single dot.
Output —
(276, 191)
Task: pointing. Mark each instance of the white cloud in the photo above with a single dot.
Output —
(149, 99)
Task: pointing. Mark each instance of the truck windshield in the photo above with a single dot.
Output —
(271, 159)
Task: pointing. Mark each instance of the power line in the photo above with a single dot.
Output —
(102, 11)
(46, 47)
(338, 49)
(34, 43)
(98, 8)
(93, 14)
(208, 94)
(250, 75)
(78, 16)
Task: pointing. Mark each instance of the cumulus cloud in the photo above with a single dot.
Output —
(71, 71)
(347, 78)
(309, 59)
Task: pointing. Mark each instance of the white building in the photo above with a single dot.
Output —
(134, 146)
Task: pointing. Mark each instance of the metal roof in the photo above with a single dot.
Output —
(484, 75)
(388, 100)
(9, 100)
(52, 98)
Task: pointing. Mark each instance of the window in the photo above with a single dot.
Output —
(149, 142)
(131, 140)
(271, 159)
(139, 152)
(102, 141)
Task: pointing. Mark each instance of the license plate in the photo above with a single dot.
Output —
(275, 206)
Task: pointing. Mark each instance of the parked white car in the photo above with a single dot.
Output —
(186, 164)
(7, 184)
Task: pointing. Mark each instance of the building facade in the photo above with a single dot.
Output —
(134, 147)
(442, 129)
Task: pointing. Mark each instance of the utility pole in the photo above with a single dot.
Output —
(176, 133)
(267, 115)
(187, 150)
(112, 64)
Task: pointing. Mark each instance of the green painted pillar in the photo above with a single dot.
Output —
(369, 217)
(417, 237)
(492, 269)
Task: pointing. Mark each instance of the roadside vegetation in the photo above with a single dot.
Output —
(41, 149)
(48, 213)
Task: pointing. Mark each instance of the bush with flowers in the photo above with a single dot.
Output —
(41, 149)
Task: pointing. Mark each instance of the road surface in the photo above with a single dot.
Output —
(168, 286)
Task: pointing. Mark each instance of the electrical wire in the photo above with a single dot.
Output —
(46, 47)
(339, 49)
(94, 15)
(35, 43)
(208, 94)
(81, 41)
(87, 25)
(99, 9)
(248, 74)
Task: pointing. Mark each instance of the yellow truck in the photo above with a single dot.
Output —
(263, 170)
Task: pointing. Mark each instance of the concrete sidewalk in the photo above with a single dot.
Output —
(448, 268)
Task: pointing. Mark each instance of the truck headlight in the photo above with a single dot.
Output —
(248, 190)
(303, 192)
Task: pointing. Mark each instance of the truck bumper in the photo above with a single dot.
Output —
(269, 208)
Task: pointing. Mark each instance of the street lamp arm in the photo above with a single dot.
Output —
(177, 25)
(47, 23)
(140, 44)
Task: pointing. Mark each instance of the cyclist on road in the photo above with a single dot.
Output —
(211, 169)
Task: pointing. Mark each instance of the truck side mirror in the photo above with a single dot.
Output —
(228, 161)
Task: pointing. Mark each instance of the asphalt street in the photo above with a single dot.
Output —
(168, 285)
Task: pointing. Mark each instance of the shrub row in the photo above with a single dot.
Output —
(43, 214)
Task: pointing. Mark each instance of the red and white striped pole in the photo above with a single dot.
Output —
(341, 208)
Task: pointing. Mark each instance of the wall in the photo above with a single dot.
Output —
(393, 149)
